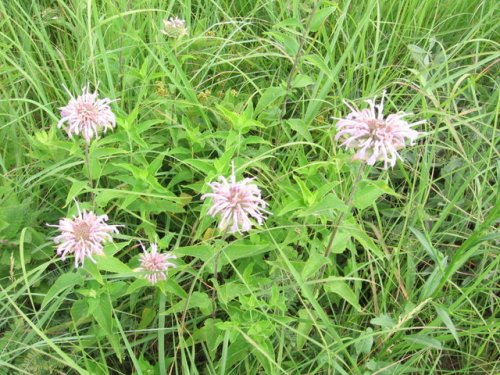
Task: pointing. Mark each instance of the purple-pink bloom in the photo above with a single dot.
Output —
(174, 27)
(83, 236)
(236, 202)
(373, 136)
(87, 115)
(155, 264)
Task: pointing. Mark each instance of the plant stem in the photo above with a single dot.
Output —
(89, 170)
(340, 218)
(297, 58)
(216, 273)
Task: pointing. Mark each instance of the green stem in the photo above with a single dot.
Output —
(340, 218)
(216, 273)
(89, 170)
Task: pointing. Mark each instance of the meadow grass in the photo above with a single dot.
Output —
(411, 284)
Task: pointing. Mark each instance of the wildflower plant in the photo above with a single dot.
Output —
(237, 203)
(362, 269)
(174, 27)
(373, 136)
(87, 115)
(154, 265)
(83, 236)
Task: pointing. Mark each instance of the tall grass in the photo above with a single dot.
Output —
(411, 286)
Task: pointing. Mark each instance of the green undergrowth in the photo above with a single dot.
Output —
(411, 285)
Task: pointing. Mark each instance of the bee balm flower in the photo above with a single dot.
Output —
(155, 264)
(236, 202)
(86, 115)
(83, 236)
(174, 27)
(373, 136)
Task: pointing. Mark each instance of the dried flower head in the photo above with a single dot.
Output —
(86, 115)
(155, 264)
(83, 236)
(174, 27)
(236, 202)
(373, 136)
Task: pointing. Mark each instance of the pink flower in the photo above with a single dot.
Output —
(83, 236)
(87, 115)
(373, 136)
(155, 264)
(174, 27)
(236, 202)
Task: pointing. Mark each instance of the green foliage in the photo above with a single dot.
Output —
(410, 285)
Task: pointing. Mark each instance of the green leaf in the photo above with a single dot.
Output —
(203, 252)
(367, 192)
(91, 268)
(112, 264)
(300, 127)
(102, 312)
(313, 264)
(320, 17)
(148, 315)
(341, 241)
(231, 290)
(384, 321)
(270, 95)
(63, 282)
(238, 251)
(196, 300)
(435, 255)
(305, 325)
(173, 287)
(328, 204)
(365, 342)
(136, 285)
(360, 235)
(424, 341)
(79, 310)
(342, 289)
(75, 189)
(445, 317)
(319, 62)
(302, 80)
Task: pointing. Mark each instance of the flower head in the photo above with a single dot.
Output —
(236, 202)
(155, 264)
(83, 236)
(174, 27)
(86, 115)
(373, 136)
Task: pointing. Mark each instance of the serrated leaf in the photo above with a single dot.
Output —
(327, 205)
(64, 282)
(425, 341)
(300, 127)
(269, 96)
(345, 292)
(384, 321)
(364, 345)
(367, 192)
(302, 80)
(315, 261)
(305, 325)
(319, 62)
(320, 17)
(196, 300)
